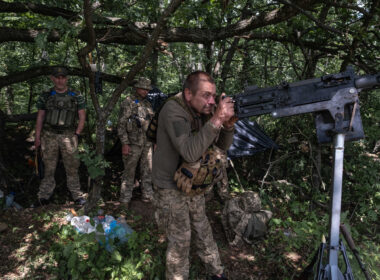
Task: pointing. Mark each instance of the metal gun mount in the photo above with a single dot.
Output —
(335, 101)
(333, 98)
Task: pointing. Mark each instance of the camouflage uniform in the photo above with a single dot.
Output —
(220, 187)
(134, 118)
(181, 216)
(53, 141)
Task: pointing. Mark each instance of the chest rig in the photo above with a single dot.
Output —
(194, 178)
(61, 110)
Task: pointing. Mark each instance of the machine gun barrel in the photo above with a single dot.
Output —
(367, 81)
(310, 95)
(334, 98)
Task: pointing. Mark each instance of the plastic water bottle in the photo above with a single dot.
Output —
(124, 230)
(9, 200)
(107, 223)
(16, 205)
(69, 217)
(82, 224)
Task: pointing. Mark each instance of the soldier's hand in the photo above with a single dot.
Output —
(230, 123)
(125, 149)
(78, 137)
(224, 111)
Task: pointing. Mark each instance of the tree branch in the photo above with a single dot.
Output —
(137, 33)
(173, 6)
(310, 16)
(90, 46)
(17, 7)
(34, 72)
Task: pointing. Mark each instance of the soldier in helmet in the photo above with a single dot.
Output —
(60, 120)
(134, 118)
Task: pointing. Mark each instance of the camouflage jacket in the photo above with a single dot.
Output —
(176, 142)
(135, 115)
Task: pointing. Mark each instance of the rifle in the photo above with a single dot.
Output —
(39, 164)
(333, 98)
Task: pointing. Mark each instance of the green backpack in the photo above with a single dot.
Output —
(243, 220)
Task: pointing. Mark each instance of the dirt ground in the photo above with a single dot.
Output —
(18, 243)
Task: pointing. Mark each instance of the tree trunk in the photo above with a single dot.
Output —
(97, 187)
(3, 182)
(9, 98)
(30, 96)
(154, 67)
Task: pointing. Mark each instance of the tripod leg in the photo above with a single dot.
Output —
(336, 205)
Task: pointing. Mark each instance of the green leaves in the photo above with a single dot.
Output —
(116, 256)
(95, 163)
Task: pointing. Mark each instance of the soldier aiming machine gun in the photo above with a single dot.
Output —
(335, 101)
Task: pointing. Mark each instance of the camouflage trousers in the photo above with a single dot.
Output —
(51, 145)
(182, 217)
(136, 154)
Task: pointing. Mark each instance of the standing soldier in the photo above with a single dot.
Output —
(185, 163)
(58, 110)
(135, 115)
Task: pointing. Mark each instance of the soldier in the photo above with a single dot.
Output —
(58, 110)
(135, 115)
(184, 165)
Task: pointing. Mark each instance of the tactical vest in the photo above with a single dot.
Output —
(61, 110)
(208, 168)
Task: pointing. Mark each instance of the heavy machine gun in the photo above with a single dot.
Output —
(334, 99)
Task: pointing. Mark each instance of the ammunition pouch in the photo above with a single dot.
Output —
(151, 133)
(194, 178)
(61, 110)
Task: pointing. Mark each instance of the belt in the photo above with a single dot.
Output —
(59, 131)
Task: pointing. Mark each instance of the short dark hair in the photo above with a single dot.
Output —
(194, 78)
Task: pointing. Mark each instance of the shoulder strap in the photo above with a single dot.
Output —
(71, 93)
(179, 99)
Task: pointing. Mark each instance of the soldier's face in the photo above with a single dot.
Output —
(203, 99)
(60, 83)
(142, 92)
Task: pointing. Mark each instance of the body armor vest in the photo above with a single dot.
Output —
(61, 110)
(207, 170)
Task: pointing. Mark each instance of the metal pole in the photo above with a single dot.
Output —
(335, 273)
